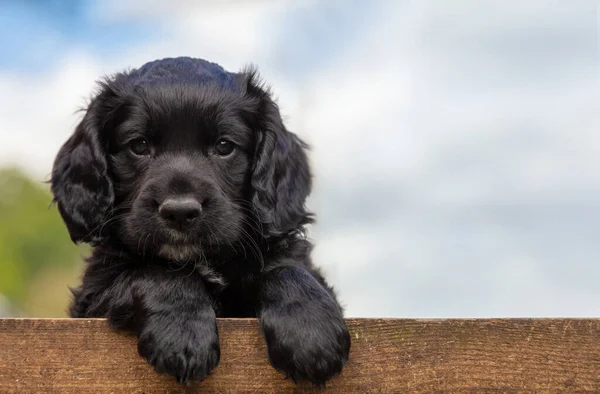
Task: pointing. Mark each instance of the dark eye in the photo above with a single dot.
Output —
(140, 147)
(224, 147)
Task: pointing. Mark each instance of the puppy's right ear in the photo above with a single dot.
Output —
(81, 185)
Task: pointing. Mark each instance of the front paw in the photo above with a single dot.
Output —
(306, 342)
(184, 349)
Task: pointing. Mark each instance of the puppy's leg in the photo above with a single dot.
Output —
(302, 322)
(172, 315)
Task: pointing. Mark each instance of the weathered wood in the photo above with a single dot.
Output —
(388, 356)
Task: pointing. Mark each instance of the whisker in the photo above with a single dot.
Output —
(255, 248)
(144, 247)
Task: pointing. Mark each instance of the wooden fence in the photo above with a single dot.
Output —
(387, 356)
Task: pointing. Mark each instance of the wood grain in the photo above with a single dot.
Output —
(387, 356)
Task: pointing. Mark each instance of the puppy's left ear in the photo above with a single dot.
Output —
(81, 185)
(281, 178)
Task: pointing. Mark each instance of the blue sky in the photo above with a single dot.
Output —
(35, 34)
(455, 146)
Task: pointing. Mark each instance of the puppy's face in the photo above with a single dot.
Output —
(183, 166)
(180, 160)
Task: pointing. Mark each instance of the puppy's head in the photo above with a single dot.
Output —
(178, 159)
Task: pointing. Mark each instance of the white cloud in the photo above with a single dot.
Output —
(38, 112)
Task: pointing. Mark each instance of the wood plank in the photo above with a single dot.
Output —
(387, 356)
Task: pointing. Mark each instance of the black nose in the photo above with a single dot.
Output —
(180, 212)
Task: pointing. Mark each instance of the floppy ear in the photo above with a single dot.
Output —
(82, 188)
(281, 178)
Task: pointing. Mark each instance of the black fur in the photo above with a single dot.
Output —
(245, 255)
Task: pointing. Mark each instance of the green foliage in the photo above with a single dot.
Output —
(33, 238)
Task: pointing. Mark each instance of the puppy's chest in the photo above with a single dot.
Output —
(239, 298)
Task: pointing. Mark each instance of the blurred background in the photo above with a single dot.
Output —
(456, 145)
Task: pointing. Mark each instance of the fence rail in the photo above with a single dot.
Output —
(387, 356)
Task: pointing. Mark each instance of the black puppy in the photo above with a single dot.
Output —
(192, 192)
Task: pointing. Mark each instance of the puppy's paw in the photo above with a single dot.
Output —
(184, 349)
(306, 342)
